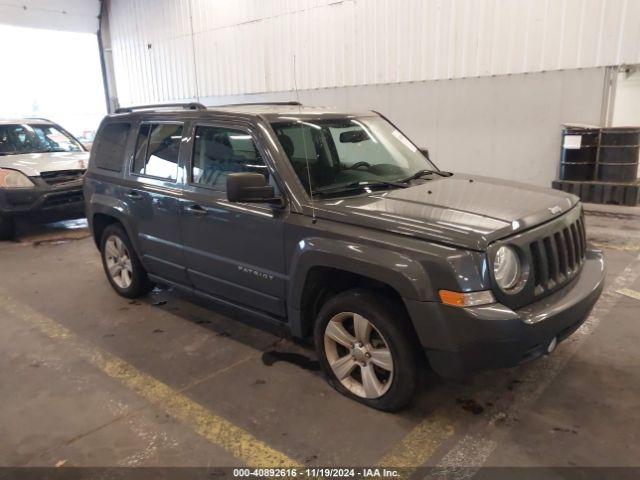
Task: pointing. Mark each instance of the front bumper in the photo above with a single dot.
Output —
(44, 202)
(458, 341)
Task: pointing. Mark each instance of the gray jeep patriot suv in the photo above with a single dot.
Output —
(336, 226)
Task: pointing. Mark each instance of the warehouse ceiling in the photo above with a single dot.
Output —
(65, 15)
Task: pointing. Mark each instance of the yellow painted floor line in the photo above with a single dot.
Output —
(240, 443)
(420, 443)
(629, 293)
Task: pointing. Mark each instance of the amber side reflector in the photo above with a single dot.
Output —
(469, 299)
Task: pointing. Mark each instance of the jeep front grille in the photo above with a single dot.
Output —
(61, 176)
(557, 258)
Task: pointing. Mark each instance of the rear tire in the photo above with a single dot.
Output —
(365, 350)
(7, 228)
(122, 266)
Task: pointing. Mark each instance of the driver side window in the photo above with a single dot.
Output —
(219, 151)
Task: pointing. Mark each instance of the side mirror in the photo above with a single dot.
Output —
(249, 187)
(425, 152)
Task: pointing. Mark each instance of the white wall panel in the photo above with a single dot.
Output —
(247, 46)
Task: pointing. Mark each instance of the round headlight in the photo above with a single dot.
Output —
(506, 268)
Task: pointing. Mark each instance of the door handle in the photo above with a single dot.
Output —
(133, 195)
(196, 210)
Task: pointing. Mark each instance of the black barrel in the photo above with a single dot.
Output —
(618, 155)
(579, 152)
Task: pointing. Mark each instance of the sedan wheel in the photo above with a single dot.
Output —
(118, 261)
(358, 355)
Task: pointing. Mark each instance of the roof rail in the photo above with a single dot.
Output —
(292, 103)
(186, 106)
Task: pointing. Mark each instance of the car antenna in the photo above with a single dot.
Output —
(304, 142)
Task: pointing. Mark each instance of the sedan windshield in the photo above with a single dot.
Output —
(349, 153)
(22, 138)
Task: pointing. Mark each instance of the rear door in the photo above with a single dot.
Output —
(234, 251)
(153, 195)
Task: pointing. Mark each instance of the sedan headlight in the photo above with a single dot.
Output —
(507, 269)
(14, 179)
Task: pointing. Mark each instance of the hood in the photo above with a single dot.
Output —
(33, 164)
(462, 210)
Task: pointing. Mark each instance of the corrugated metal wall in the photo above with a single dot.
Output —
(174, 49)
(66, 15)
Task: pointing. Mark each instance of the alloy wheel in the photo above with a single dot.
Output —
(358, 355)
(118, 261)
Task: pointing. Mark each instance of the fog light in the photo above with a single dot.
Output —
(552, 345)
(470, 299)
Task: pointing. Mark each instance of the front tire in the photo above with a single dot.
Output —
(364, 348)
(124, 271)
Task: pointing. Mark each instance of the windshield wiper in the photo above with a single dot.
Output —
(424, 173)
(358, 186)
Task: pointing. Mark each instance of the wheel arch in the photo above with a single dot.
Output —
(104, 215)
(99, 222)
(324, 267)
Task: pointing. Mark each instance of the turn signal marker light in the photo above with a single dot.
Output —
(470, 299)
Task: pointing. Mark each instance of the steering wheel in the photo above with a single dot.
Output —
(358, 165)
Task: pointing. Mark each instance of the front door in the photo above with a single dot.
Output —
(234, 251)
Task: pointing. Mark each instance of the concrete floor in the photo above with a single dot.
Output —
(91, 379)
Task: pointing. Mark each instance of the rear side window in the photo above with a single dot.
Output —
(220, 151)
(157, 150)
(108, 150)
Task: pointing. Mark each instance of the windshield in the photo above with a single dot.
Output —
(348, 151)
(23, 138)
